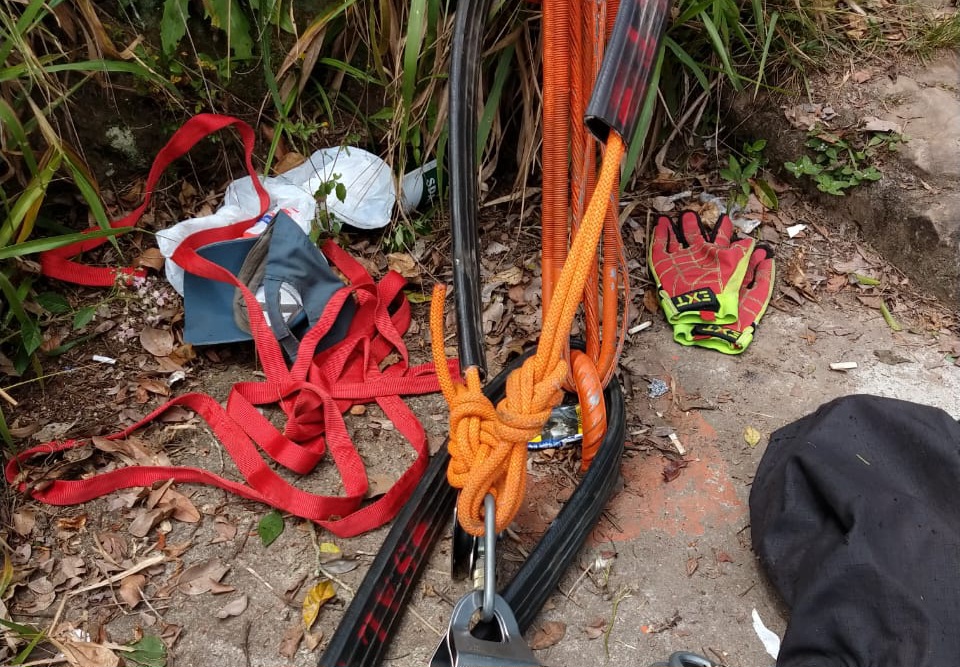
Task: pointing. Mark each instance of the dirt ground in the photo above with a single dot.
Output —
(669, 566)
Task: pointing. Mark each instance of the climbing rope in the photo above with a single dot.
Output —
(488, 445)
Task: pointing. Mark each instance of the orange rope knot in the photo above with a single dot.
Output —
(488, 446)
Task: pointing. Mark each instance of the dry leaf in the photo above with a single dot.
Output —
(24, 520)
(291, 641)
(315, 599)
(671, 469)
(404, 264)
(233, 608)
(861, 76)
(547, 635)
(72, 524)
(341, 566)
(130, 589)
(313, 639)
(225, 530)
(724, 557)
(873, 124)
(154, 386)
(158, 342)
(379, 484)
(596, 628)
(751, 435)
(289, 160)
(146, 520)
(182, 508)
(151, 258)
(692, 564)
(329, 551)
(86, 654)
(836, 283)
(201, 577)
(651, 301)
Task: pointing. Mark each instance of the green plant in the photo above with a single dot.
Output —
(40, 69)
(842, 162)
(744, 171)
(326, 222)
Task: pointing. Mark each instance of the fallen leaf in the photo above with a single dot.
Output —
(596, 628)
(72, 524)
(379, 484)
(147, 520)
(751, 435)
(154, 386)
(41, 603)
(874, 124)
(233, 608)
(404, 264)
(270, 527)
(341, 566)
(692, 564)
(158, 342)
(86, 654)
(547, 635)
(289, 160)
(861, 76)
(671, 469)
(836, 283)
(510, 276)
(151, 258)
(313, 639)
(149, 651)
(291, 641)
(24, 520)
(183, 509)
(315, 598)
(225, 530)
(131, 588)
(329, 551)
(650, 301)
(723, 557)
(201, 577)
(890, 357)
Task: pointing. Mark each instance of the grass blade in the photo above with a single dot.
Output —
(643, 124)
(42, 245)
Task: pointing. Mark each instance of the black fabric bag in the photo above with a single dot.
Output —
(855, 515)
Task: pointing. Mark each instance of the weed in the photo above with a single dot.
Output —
(325, 222)
(839, 162)
(743, 173)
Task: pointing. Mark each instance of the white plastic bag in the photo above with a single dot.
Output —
(369, 201)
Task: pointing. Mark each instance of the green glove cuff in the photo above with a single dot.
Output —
(714, 336)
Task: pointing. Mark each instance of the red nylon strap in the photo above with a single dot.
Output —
(57, 263)
(314, 393)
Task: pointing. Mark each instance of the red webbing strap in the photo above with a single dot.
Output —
(313, 394)
(58, 264)
(314, 425)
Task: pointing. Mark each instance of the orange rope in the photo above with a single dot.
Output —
(488, 446)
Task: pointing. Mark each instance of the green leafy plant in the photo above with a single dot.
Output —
(40, 69)
(325, 221)
(839, 162)
(744, 173)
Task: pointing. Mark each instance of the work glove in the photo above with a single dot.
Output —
(755, 293)
(698, 271)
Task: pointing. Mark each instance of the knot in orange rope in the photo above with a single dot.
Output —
(488, 446)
